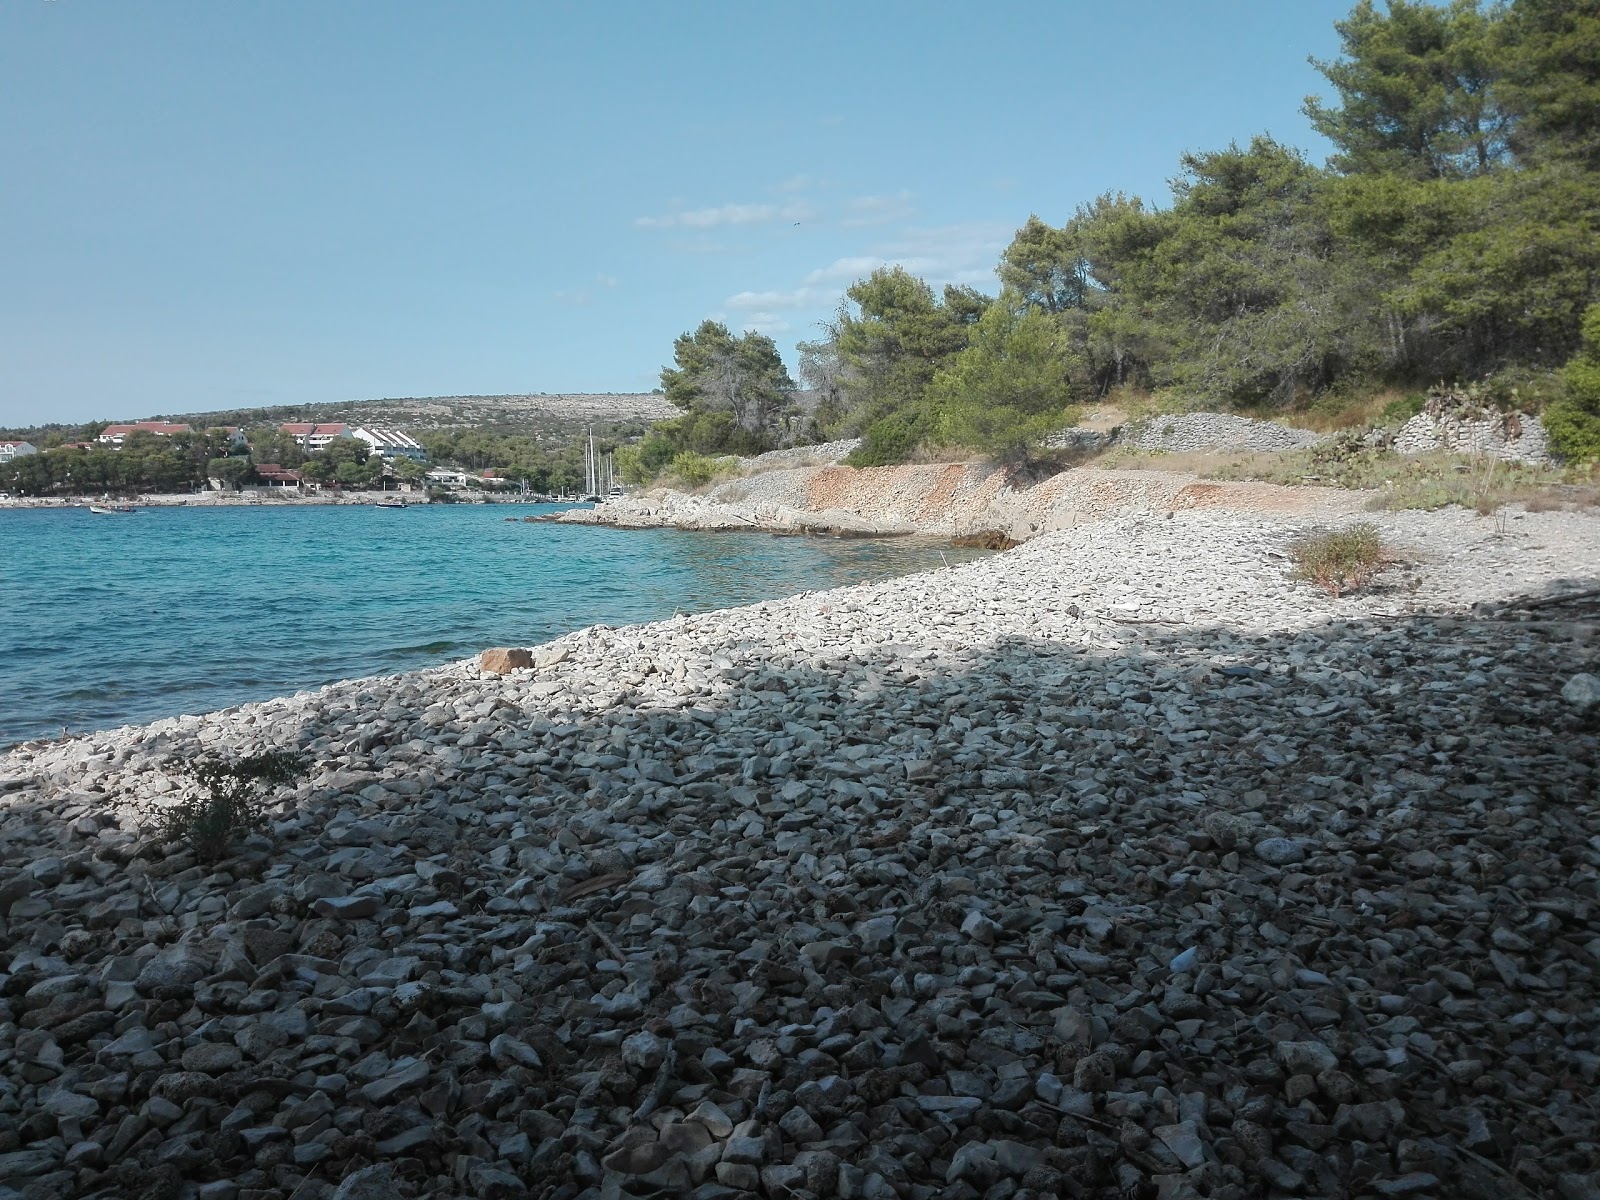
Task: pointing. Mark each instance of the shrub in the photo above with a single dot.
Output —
(697, 470)
(1574, 431)
(1573, 422)
(1343, 559)
(231, 803)
(888, 440)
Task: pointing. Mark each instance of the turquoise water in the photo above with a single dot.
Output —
(106, 620)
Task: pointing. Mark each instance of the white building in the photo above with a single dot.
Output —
(314, 435)
(390, 443)
(11, 450)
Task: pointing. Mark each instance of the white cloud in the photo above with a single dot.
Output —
(960, 253)
(878, 210)
(728, 214)
(767, 323)
(964, 252)
(797, 298)
(846, 270)
(606, 281)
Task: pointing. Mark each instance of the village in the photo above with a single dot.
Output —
(295, 459)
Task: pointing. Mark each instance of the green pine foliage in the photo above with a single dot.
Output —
(1453, 234)
(1009, 388)
(736, 393)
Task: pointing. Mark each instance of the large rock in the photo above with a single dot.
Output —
(1582, 691)
(503, 660)
(370, 1183)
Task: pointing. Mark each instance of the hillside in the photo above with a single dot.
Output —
(553, 416)
(546, 414)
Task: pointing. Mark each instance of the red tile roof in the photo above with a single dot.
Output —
(313, 428)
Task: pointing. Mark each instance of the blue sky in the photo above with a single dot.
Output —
(301, 201)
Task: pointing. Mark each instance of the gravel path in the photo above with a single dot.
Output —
(1119, 864)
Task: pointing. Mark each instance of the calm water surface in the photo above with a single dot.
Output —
(106, 620)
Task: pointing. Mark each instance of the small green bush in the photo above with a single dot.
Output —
(697, 470)
(231, 803)
(1341, 560)
(1573, 422)
(889, 440)
(1574, 431)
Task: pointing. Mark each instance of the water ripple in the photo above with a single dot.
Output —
(105, 622)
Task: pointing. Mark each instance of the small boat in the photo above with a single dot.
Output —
(110, 510)
(390, 504)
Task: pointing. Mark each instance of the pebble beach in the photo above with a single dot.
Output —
(1122, 863)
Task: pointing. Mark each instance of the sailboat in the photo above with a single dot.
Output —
(591, 473)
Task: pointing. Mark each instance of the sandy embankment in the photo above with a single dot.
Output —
(1118, 863)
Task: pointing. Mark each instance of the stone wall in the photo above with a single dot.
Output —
(821, 455)
(1190, 432)
(1515, 437)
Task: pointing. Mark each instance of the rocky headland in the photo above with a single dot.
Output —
(1119, 864)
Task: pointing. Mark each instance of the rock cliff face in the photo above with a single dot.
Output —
(947, 500)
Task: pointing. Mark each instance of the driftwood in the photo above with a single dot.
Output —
(599, 883)
(658, 1090)
(1551, 601)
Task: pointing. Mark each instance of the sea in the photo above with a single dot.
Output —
(108, 620)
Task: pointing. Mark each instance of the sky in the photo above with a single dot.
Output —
(220, 205)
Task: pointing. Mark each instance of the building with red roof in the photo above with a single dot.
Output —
(115, 435)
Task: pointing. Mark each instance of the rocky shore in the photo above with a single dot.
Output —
(1120, 864)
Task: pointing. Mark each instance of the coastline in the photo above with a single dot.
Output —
(233, 500)
(1024, 836)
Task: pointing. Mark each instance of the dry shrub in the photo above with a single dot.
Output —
(1341, 560)
(231, 802)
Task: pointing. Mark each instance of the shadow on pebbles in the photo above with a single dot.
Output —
(1117, 865)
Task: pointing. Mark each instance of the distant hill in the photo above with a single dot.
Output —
(552, 416)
